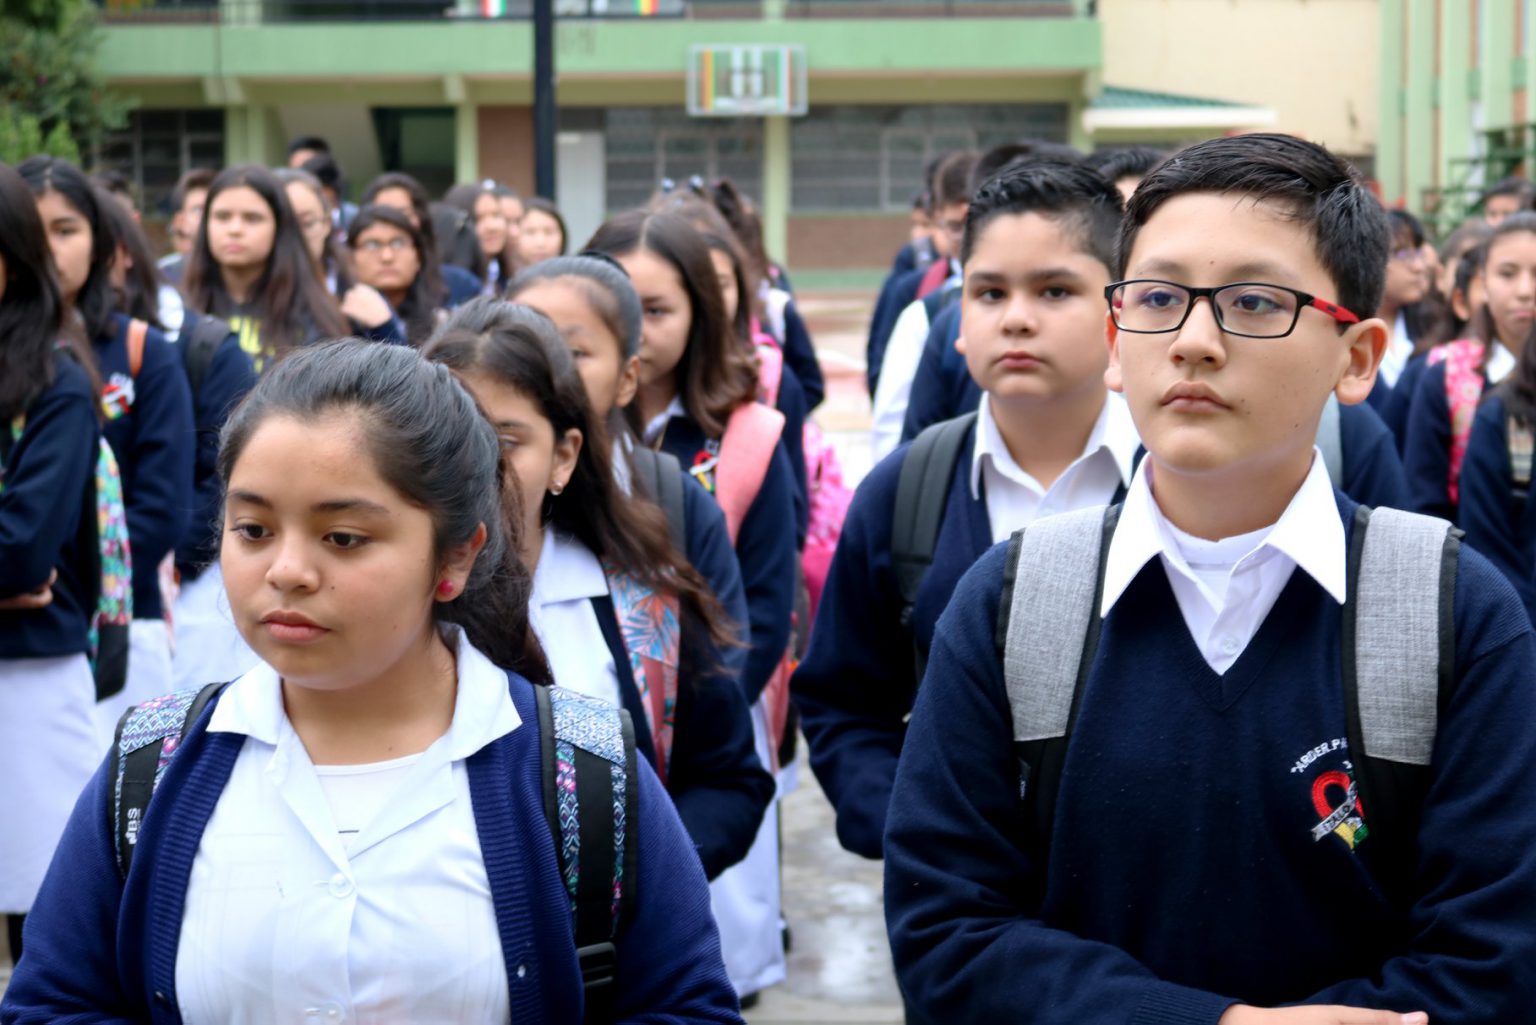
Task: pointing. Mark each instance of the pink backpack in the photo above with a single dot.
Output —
(828, 496)
(1464, 383)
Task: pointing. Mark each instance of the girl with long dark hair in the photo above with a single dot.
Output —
(390, 254)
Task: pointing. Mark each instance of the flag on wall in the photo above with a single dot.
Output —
(646, 7)
(493, 8)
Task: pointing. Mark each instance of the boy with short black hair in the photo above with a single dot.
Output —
(1244, 744)
(1507, 196)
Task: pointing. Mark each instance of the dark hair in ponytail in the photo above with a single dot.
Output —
(139, 295)
(520, 347)
(430, 442)
(31, 312)
(605, 286)
(96, 299)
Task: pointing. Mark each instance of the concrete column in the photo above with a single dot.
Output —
(466, 142)
(1389, 137)
(1418, 132)
(776, 191)
(1454, 112)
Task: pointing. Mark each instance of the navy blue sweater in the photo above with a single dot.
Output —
(103, 951)
(43, 501)
(231, 374)
(792, 403)
(1497, 524)
(1427, 446)
(462, 285)
(857, 683)
(715, 778)
(154, 446)
(1183, 875)
(1399, 399)
(800, 356)
(942, 388)
(765, 551)
(898, 291)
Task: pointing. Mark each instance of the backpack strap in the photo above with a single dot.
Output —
(922, 491)
(933, 278)
(138, 334)
(591, 800)
(1052, 588)
(1522, 443)
(661, 478)
(147, 736)
(650, 625)
(1330, 441)
(1399, 644)
(199, 346)
(1464, 383)
(770, 367)
(746, 452)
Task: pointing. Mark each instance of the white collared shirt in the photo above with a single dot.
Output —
(1399, 349)
(1015, 499)
(1499, 363)
(288, 921)
(1226, 588)
(565, 581)
(658, 423)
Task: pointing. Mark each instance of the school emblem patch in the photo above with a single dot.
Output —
(117, 396)
(1336, 798)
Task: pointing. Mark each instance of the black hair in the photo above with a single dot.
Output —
(197, 178)
(1469, 234)
(1513, 185)
(115, 183)
(605, 286)
(421, 203)
(1445, 325)
(1011, 153)
(1083, 202)
(139, 294)
(333, 258)
(1319, 190)
(31, 310)
(96, 299)
(310, 142)
(952, 178)
(549, 209)
(426, 294)
(1518, 390)
(430, 442)
(1522, 222)
(326, 171)
(1403, 224)
(1126, 161)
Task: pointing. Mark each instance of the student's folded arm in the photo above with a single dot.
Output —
(70, 974)
(855, 686)
(1471, 955)
(160, 503)
(765, 550)
(965, 929)
(53, 462)
(716, 780)
(1488, 514)
(1427, 446)
(670, 970)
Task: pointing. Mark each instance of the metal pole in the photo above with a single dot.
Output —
(545, 116)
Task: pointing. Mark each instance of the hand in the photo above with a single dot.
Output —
(1318, 1015)
(40, 598)
(366, 306)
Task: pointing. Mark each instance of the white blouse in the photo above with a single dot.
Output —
(566, 580)
(286, 920)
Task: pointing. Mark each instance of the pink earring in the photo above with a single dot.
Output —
(445, 589)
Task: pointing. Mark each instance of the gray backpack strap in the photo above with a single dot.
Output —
(1399, 640)
(661, 480)
(1052, 588)
(1330, 441)
(922, 491)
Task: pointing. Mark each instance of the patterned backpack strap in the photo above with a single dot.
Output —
(649, 622)
(1463, 391)
(591, 799)
(148, 735)
(113, 561)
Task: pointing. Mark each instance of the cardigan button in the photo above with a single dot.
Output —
(522, 971)
(161, 998)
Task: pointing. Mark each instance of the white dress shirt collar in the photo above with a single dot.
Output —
(658, 423)
(1114, 433)
(567, 571)
(1499, 363)
(1309, 534)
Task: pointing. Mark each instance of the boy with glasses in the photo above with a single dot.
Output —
(1280, 768)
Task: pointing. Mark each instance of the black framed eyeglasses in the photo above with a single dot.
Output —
(1248, 309)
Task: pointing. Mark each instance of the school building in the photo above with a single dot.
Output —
(1456, 82)
(849, 99)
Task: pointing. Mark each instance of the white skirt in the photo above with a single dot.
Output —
(208, 647)
(149, 672)
(50, 744)
(745, 897)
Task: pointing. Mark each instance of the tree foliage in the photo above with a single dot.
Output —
(51, 97)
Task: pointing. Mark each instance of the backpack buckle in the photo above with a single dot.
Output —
(599, 965)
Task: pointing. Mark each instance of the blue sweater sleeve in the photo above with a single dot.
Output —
(45, 480)
(766, 552)
(800, 356)
(965, 927)
(1395, 409)
(231, 374)
(855, 686)
(1427, 446)
(1373, 474)
(930, 398)
(792, 404)
(671, 970)
(710, 552)
(1489, 514)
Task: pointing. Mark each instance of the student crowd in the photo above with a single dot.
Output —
(402, 619)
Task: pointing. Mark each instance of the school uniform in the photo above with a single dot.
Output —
(245, 321)
(1399, 399)
(1186, 827)
(246, 902)
(714, 778)
(49, 738)
(942, 388)
(895, 295)
(800, 355)
(1427, 441)
(1498, 524)
(792, 402)
(856, 685)
(461, 285)
(903, 353)
(149, 427)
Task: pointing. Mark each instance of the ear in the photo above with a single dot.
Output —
(629, 382)
(567, 448)
(1114, 380)
(456, 566)
(1460, 306)
(960, 343)
(1367, 344)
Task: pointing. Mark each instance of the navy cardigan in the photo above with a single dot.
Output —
(1497, 524)
(153, 443)
(1186, 870)
(1427, 446)
(102, 951)
(42, 505)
